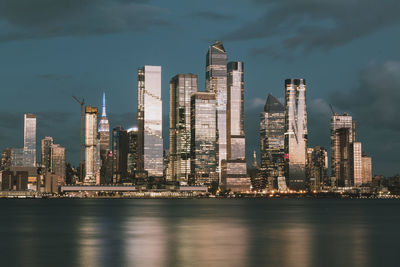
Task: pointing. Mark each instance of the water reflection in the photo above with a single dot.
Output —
(89, 242)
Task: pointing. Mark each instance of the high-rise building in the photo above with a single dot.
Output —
(104, 132)
(58, 161)
(216, 82)
(355, 177)
(234, 173)
(17, 157)
(295, 133)
(120, 154)
(203, 148)
(317, 167)
(132, 152)
(90, 145)
(366, 170)
(181, 88)
(45, 159)
(272, 137)
(29, 140)
(342, 138)
(149, 117)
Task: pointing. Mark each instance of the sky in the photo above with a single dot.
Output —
(347, 50)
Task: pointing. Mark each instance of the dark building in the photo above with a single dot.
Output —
(133, 155)
(272, 133)
(106, 171)
(7, 180)
(6, 159)
(317, 168)
(21, 180)
(120, 155)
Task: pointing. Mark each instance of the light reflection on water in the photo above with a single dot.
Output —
(200, 233)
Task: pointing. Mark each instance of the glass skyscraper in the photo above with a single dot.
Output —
(272, 137)
(295, 133)
(58, 161)
(91, 143)
(47, 142)
(181, 88)
(120, 154)
(149, 117)
(204, 149)
(216, 82)
(132, 152)
(29, 140)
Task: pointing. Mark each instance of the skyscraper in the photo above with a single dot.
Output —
(104, 132)
(342, 138)
(355, 177)
(216, 82)
(272, 133)
(295, 133)
(6, 161)
(181, 88)
(47, 142)
(317, 167)
(149, 117)
(120, 154)
(58, 162)
(366, 169)
(90, 145)
(234, 172)
(204, 149)
(29, 140)
(132, 152)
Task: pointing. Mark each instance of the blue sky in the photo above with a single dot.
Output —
(346, 50)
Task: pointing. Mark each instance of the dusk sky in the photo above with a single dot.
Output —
(347, 50)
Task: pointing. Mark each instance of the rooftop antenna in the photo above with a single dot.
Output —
(82, 103)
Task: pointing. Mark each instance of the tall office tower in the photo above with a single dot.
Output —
(203, 146)
(317, 167)
(104, 132)
(58, 161)
(272, 137)
(181, 87)
(6, 160)
(295, 133)
(216, 82)
(17, 157)
(366, 170)
(342, 136)
(29, 140)
(234, 172)
(120, 154)
(90, 145)
(149, 117)
(355, 176)
(47, 142)
(132, 152)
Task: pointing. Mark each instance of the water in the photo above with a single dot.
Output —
(204, 232)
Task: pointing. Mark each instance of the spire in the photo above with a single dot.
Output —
(103, 114)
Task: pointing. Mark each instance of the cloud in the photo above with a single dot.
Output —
(27, 19)
(322, 24)
(256, 103)
(211, 15)
(54, 77)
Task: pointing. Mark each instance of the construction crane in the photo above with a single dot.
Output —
(333, 112)
(82, 103)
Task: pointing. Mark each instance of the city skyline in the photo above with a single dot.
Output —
(371, 65)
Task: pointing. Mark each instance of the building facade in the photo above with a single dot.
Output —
(29, 140)
(272, 137)
(181, 88)
(149, 117)
(366, 170)
(132, 152)
(104, 132)
(58, 162)
(216, 82)
(317, 168)
(204, 149)
(91, 142)
(295, 133)
(47, 142)
(120, 154)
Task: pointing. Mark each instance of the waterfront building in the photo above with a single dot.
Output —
(45, 158)
(90, 145)
(120, 154)
(295, 133)
(272, 137)
(132, 152)
(181, 88)
(203, 150)
(366, 170)
(234, 175)
(317, 168)
(216, 82)
(29, 158)
(356, 177)
(104, 132)
(149, 117)
(57, 165)
(342, 136)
